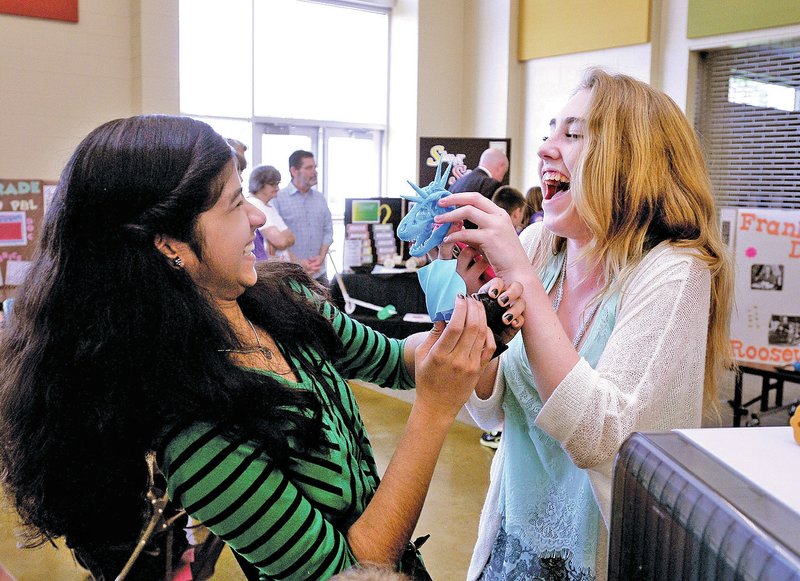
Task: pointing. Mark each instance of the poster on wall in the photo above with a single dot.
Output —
(766, 320)
(463, 152)
(22, 205)
(52, 9)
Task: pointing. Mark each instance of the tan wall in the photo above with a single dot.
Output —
(401, 134)
(154, 56)
(454, 56)
(493, 104)
(441, 74)
(453, 72)
(58, 80)
(468, 79)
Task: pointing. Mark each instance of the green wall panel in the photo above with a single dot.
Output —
(710, 17)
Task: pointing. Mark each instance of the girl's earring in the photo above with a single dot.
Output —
(177, 262)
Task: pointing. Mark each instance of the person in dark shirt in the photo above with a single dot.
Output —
(486, 178)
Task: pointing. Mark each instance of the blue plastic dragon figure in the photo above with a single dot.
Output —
(418, 224)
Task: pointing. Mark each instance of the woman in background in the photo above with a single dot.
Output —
(534, 200)
(264, 185)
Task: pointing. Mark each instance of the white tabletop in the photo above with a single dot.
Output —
(768, 457)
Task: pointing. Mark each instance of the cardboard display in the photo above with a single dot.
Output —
(766, 321)
(371, 230)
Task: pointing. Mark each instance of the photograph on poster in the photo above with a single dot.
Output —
(16, 270)
(766, 277)
(366, 212)
(13, 231)
(784, 330)
(726, 233)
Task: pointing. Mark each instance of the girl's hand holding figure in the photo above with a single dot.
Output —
(495, 238)
(496, 242)
(471, 264)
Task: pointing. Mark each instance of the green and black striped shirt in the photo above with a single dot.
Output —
(290, 523)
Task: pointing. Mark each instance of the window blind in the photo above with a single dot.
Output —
(749, 124)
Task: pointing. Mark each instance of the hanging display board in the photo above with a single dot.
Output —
(463, 152)
(766, 320)
(22, 204)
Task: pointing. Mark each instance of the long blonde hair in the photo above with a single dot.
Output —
(641, 180)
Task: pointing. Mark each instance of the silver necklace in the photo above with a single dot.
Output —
(557, 303)
(265, 351)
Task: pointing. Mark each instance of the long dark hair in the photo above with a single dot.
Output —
(110, 346)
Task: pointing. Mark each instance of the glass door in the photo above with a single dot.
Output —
(353, 162)
(348, 164)
(277, 144)
(353, 159)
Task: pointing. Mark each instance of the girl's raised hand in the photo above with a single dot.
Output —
(495, 237)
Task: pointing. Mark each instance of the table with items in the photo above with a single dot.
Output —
(401, 290)
(772, 380)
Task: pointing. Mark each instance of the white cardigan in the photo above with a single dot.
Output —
(662, 319)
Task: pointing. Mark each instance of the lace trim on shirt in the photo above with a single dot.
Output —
(511, 560)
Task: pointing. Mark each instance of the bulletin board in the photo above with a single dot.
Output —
(766, 320)
(22, 204)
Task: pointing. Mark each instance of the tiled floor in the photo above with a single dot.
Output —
(450, 513)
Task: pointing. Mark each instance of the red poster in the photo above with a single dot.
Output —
(55, 9)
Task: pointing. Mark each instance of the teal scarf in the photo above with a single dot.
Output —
(549, 515)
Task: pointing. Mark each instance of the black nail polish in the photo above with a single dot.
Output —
(503, 300)
(493, 293)
(507, 317)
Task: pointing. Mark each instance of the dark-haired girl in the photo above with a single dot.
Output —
(144, 325)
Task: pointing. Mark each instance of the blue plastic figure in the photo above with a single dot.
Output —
(418, 224)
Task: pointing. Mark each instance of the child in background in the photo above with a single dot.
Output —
(513, 202)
